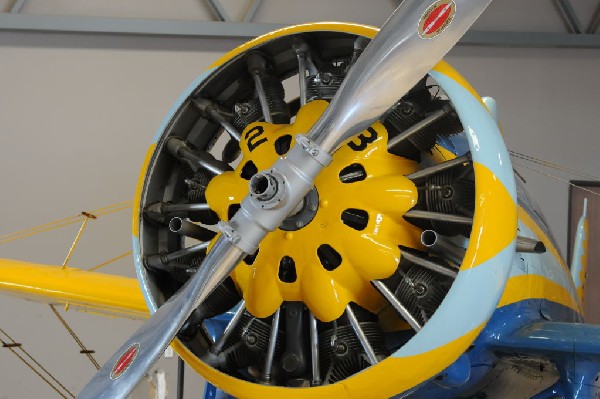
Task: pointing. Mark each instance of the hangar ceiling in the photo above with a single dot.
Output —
(547, 23)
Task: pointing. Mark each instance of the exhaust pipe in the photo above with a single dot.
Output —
(437, 244)
(529, 245)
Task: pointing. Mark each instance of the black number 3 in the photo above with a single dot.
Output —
(363, 140)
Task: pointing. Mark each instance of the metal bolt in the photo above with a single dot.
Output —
(241, 108)
(447, 192)
(420, 289)
(340, 348)
(407, 109)
(251, 339)
(290, 362)
(326, 78)
(299, 224)
(191, 183)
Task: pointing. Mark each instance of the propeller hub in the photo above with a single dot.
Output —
(304, 214)
(345, 233)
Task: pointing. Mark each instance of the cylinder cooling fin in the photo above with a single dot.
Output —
(364, 283)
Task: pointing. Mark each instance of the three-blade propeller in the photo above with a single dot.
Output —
(410, 43)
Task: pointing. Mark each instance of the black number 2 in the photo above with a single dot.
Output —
(364, 140)
(253, 137)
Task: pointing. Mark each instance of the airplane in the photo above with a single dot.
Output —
(367, 239)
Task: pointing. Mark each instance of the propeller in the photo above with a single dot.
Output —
(409, 44)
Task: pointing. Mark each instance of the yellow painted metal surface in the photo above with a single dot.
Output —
(439, 154)
(532, 286)
(494, 207)
(89, 291)
(446, 69)
(373, 253)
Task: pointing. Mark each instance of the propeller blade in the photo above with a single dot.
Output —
(123, 371)
(410, 43)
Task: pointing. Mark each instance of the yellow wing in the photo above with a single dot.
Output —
(84, 290)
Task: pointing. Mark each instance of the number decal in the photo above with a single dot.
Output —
(364, 140)
(253, 137)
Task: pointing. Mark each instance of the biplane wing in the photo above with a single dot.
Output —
(83, 290)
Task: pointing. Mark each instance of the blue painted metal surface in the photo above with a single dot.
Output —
(579, 262)
(506, 338)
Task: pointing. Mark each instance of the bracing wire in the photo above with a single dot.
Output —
(78, 217)
(556, 178)
(51, 226)
(116, 258)
(38, 373)
(552, 165)
(106, 210)
(83, 348)
(16, 346)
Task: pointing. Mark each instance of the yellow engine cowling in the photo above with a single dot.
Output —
(353, 255)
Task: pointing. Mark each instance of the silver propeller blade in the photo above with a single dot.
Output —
(126, 368)
(409, 44)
